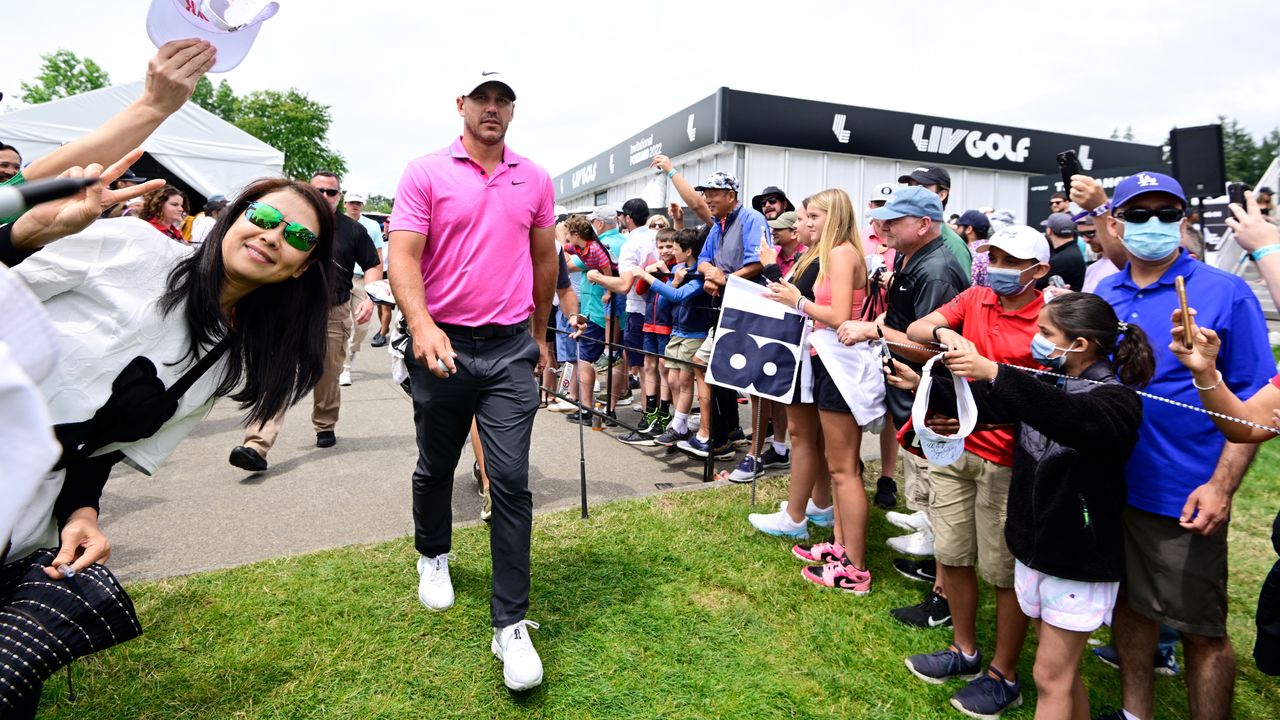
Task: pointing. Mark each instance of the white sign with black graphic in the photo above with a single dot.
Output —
(757, 343)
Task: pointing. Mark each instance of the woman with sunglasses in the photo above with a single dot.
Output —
(136, 312)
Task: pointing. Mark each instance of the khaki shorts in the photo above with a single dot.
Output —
(680, 350)
(915, 474)
(1175, 576)
(704, 353)
(968, 503)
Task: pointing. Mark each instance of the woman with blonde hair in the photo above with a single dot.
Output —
(835, 270)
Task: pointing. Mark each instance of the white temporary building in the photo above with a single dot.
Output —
(208, 153)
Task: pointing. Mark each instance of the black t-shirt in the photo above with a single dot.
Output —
(1066, 262)
(351, 245)
(933, 277)
(562, 279)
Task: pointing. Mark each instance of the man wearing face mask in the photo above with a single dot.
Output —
(967, 499)
(1182, 474)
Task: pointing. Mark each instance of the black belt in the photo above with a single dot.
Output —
(483, 332)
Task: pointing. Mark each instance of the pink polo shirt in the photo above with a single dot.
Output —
(476, 265)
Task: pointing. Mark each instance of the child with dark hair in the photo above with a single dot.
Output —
(691, 318)
(657, 334)
(590, 322)
(1067, 495)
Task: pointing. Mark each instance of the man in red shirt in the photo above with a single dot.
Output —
(967, 499)
(463, 213)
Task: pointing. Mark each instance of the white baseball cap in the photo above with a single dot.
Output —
(474, 79)
(1020, 241)
(230, 25)
(353, 197)
(883, 191)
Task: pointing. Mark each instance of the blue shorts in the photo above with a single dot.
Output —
(590, 343)
(633, 337)
(565, 345)
(618, 306)
(656, 343)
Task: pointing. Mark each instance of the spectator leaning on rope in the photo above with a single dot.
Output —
(1181, 476)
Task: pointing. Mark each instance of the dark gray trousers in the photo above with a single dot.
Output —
(494, 384)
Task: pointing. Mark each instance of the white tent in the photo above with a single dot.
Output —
(208, 153)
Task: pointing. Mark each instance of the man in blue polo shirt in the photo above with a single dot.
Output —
(1182, 474)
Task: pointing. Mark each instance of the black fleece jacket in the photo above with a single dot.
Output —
(1068, 489)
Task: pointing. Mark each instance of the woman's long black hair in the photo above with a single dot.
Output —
(278, 341)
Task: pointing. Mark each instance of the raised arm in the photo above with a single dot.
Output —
(692, 198)
(171, 78)
(1089, 195)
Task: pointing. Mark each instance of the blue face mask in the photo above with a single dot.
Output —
(1006, 282)
(1042, 347)
(1152, 240)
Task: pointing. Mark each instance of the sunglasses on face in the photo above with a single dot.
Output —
(1166, 214)
(330, 191)
(267, 218)
(1091, 234)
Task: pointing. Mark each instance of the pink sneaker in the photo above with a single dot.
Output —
(820, 553)
(840, 576)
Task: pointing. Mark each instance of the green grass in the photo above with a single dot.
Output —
(666, 607)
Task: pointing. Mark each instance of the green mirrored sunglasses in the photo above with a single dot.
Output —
(267, 218)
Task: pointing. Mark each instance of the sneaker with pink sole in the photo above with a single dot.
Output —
(840, 576)
(819, 553)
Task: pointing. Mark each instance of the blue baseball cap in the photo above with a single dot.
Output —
(1143, 183)
(975, 219)
(914, 201)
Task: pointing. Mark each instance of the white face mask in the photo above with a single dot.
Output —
(943, 449)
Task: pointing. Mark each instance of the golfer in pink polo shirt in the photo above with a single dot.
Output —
(473, 255)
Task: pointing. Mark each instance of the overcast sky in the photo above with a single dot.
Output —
(592, 74)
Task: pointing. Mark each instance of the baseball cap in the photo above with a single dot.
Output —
(636, 209)
(1020, 241)
(353, 197)
(913, 201)
(785, 221)
(131, 176)
(720, 180)
(882, 192)
(231, 26)
(1264, 190)
(975, 219)
(475, 79)
(928, 176)
(1143, 183)
(608, 213)
(757, 202)
(1060, 224)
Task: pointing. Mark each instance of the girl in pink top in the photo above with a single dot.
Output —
(842, 274)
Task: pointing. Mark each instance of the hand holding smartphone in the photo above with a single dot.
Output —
(1180, 285)
(1069, 165)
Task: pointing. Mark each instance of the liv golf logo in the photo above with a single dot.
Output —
(996, 146)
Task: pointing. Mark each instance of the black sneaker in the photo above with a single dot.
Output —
(247, 459)
(938, 667)
(987, 696)
(611, 418)
(578, 418)
(326, 439)
(925, 571)
(773, 460)
(726, 451)
(932, 612)
(1114, 715)
(739, 438)
(638, 438)
(886, 493)
(379, 340)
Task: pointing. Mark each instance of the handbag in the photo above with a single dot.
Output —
(139, 405)
(46, 623)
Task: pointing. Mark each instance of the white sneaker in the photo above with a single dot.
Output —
(562, 406)
(919, 543)
(822, 517)
(779, 524)
(521, 666)
(344, 378)
(435, 589)
(914, 522)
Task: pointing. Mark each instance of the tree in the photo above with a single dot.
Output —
(1240, 152)
(378, 204)
(293, 123)
(221, 101)
(63, 74)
